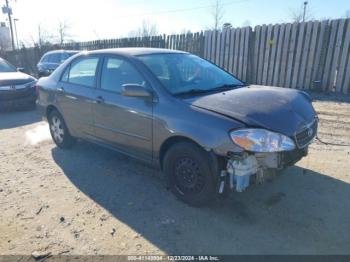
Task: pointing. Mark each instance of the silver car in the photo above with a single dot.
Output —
(208, 131)
(51, 60)
(17, 89)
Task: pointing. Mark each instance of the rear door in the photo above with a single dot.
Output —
(76, 94)
(124, 122)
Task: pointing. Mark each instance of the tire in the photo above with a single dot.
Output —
(189, 173)
(59, 131)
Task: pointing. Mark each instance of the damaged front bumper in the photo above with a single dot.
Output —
(242, 169)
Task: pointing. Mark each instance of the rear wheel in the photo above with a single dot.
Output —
(190, 174)
(59, 131)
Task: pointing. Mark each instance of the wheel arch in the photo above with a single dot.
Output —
(168, 143)
(50, 109)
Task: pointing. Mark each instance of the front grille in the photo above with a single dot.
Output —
(304, 137)
(17, 94)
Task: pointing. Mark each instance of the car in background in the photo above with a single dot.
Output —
(207, 130)
(51, 60)
(17, 89)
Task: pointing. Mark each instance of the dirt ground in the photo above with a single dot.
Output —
(91, 200)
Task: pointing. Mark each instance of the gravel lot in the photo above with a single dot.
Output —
(91, 200)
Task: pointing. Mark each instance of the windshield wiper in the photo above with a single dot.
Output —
(227, 87)
(193, 91)
(196, 91)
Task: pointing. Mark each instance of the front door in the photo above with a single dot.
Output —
(124, 122)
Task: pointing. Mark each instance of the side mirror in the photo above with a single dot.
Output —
(135, 90)
(20, 69)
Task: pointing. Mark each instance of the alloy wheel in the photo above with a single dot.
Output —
(57, 129)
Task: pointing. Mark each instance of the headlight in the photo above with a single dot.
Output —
(31, 84)
(261, 140)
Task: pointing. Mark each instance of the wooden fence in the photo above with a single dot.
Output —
(230, 49)
(310, 55)
(192, 42)
(29, 57)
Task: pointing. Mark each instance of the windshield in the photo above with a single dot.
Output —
(185, 73)
(6, 67)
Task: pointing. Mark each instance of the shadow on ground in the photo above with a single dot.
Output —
(299, 212)
(12, 119)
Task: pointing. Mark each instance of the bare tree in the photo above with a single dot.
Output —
(302, 14)
(147, 29)
(40, 36)
(186, 31)
(43, 38)
(217, 12)
(226, 26)
(63, 31)
(247, 23)
(347, 14)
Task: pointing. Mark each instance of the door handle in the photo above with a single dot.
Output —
(60, 89)
(100, 100)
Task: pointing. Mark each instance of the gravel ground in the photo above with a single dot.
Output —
(90, 200)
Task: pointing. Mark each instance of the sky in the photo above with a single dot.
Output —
(93, 20)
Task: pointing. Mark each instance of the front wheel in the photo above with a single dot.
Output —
(189, 174)
(59, 131)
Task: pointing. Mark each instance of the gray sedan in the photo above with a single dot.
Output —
(208, 131)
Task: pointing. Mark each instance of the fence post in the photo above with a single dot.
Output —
(251, 57)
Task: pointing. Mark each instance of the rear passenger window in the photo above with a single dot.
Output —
(117, 72)
(82, 72)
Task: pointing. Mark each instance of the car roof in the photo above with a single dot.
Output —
(136, 51)
(61, 51)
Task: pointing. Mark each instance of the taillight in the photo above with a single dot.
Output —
(37, 89)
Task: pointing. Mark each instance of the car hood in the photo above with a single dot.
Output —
(15, 78)
(278, 109)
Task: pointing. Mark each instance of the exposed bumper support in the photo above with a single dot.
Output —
(242, 167)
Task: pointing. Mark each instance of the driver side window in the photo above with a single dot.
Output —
(117, 72)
